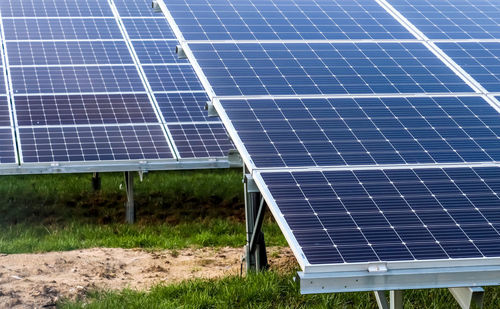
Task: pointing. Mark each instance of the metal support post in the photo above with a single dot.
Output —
(96, 181)
(395, 299)
(129, 206)
(255, 250)
(468, 297)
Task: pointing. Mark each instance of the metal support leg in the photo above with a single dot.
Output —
(255, 250)
(395, 300)
(96, 181)
(381, 299)
(469, 297)
(129, 206)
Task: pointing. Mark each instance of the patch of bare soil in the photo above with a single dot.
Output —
(39, 280)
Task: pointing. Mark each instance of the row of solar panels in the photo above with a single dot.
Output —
(100, 91)
(372, 127)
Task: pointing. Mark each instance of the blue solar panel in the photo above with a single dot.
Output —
(84, 109)
(32, 80)
(61, 29)
(366, 131)
(480, 59)
(452, 19)
(172, 78)
(4, 112)
(135, 8)
(7, 150)
(284, 20)
(324, 68)
(157, 52)
(148, 28)
(55, 8)
(183, 107)
(96, 143)
(64, 53)
(2, 84)
(201, 140)
(390, 215)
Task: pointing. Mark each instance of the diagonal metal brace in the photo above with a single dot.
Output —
(258, 225)
(468, 297)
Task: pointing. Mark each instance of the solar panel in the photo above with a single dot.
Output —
(55, 8)
(390, 215)
(84, 109)
(479, 59)
(148, 28)
(172, 78)
(452, 19)
(136, 8)
(61, 29)
(7, 150)
(94, 143)
(76, 79)
(4, 112)
(324, 68)
(157, 52)
(183, 107)
(361, 131)
(200, 140)
(284, 20)
(68, 53)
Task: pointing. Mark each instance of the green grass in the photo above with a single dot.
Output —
(24, 238)
(171, 197)
(175, 210)
(265, 290)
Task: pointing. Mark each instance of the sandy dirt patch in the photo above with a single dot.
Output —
(39, 280)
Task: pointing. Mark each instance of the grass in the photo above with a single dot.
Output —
(24, 238)
(175, 210)
(264, 290)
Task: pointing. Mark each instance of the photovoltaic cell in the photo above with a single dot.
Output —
(55, 8)
(452, 19)
(284, 20)
(366, 131)
(201, 140)
(390, 215)
(137, 8)
(324, 68)
(4, 112)
(157, 52)
(61, 29)
(2, 84)
(68, 53)
(7, 151)
(183, 107)
(32, 80)
(172, 78)
(96, 143)
(84, 109)
(148, 28)
(480, 59)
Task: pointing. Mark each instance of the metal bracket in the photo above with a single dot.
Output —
(251, 186)
(181, 54)
(395, 299)
(468, 297)
(234, 158)
(129, 205)
(209, 107)
(156, 7)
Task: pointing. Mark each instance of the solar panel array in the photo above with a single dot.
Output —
(83, 78)
(364, 123)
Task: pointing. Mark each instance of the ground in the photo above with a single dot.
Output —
(38, 280)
